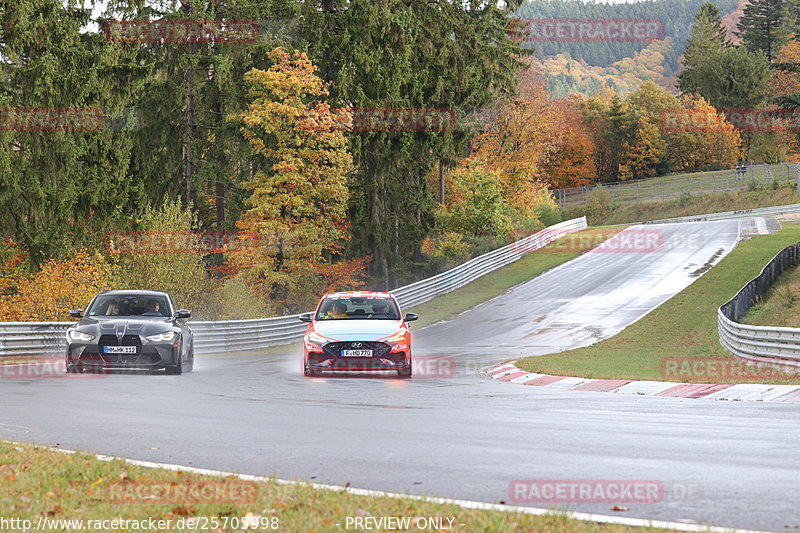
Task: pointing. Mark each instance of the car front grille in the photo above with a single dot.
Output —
(334, 349)
(127, 340)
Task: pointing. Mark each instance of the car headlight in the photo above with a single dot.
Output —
(167, 336)
(316, 338)
(75, 335)
(400, 336)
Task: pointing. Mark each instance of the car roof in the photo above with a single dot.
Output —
(359, 294)
(139, 292)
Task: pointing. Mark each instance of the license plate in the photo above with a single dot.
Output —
(356, 353)
(119, 349)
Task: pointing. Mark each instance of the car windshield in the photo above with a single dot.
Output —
(129, 305)
(353, 308)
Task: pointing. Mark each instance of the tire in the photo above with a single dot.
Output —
(406, 372)
(308, 372)
(176, 370)
(74, 369)
(190, 365)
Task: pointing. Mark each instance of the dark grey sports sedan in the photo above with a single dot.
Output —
(131, 330)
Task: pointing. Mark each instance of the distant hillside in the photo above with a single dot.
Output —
(566, 75)
(675, 15)
(731, 19)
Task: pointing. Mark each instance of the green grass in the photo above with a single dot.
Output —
(43, 484)
(781, 305)
(683, 327)
(495, 283)
(686, 206)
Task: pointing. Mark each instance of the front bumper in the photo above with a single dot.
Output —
(382, 359)
(150, 356)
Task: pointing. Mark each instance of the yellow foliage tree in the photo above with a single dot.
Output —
(61, 285)
(515, 142)
(297, 205)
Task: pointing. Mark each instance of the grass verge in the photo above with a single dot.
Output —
(683, 327)
(604, 214)
(781, 306)
(495, 283)
(40, 484)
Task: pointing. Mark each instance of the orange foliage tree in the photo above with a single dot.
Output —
(12, 261)
(515, 141)
(297, 205)
(570, 162)
(715, 143)
(61, 285)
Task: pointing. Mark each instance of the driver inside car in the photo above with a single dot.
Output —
(339, 310)
(380, 311)
(153, 309)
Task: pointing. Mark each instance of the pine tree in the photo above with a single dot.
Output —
(63, 184)
(708, 38)
(762, 26)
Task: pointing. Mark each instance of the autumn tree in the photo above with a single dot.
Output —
(706, 140)
(297, 205)
(570, 161)
(60, 285)
(515, 140)
(644, 152)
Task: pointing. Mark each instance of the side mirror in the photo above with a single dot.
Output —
(305, 317)
(76, 313)
(410, 317)
(183, 313)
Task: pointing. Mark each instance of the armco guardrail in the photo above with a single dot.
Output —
(760, 343)
(48, 338)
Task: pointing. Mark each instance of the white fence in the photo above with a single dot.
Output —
(48, 338)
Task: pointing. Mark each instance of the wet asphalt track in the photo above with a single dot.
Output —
(462, 436)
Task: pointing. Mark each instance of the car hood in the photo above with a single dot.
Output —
(125, 326)
(357, 330)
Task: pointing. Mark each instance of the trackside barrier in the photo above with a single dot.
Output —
(766, 344)
(226, 336)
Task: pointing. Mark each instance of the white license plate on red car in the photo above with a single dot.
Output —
(119, 349)
(356, 353)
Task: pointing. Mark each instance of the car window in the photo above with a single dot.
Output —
(354, 308)
(129, 305)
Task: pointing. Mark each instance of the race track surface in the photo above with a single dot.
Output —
(459, 435)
